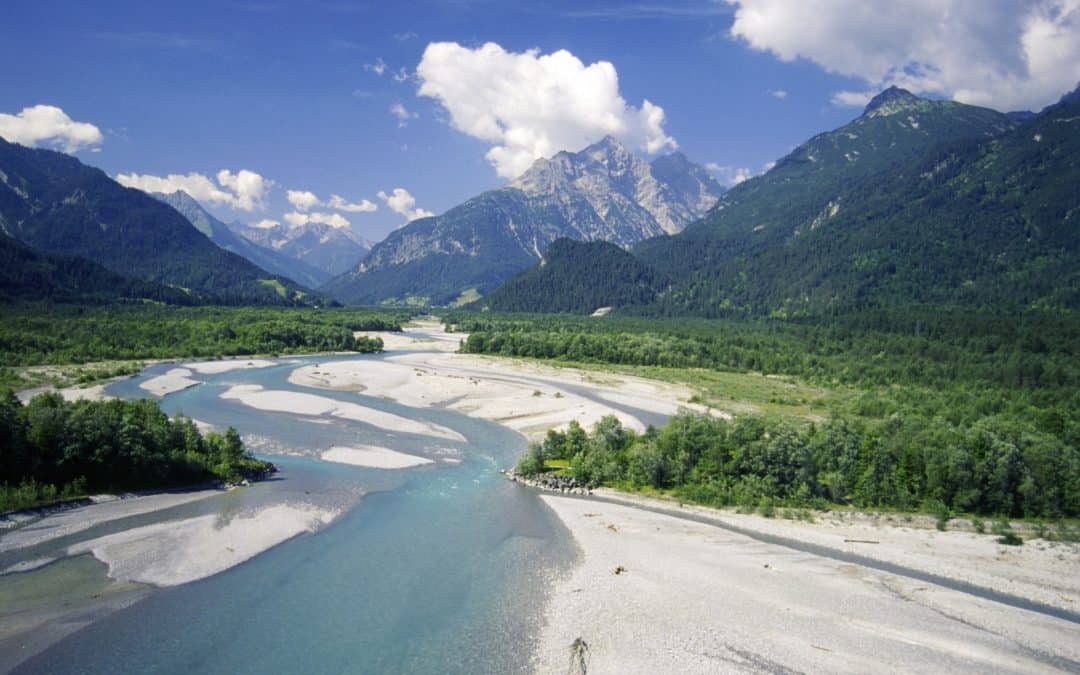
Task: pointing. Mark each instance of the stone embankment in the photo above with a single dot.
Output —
(551, 482)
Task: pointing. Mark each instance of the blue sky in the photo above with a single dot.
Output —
(293, 91)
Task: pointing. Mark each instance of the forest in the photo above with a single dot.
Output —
(51, 449)
(994, 467)
(61, 334)
(965, 411)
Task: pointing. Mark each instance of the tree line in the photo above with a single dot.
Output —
(994, 467)
(52, 449)
(59, 334)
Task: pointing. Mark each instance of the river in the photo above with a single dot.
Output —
(436, 568)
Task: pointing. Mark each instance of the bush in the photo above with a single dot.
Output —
(1010, 539)
(532, 462)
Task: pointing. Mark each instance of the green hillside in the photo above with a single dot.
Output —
(578, 278)
(945, 204)
(26, 274)
(56, 204)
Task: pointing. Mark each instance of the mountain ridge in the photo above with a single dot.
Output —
(222, 235)
(58, 205)
(603, 192)
(326, 251)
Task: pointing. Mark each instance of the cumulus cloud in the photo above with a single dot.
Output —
(249, 188)
(856, 99)
(47, 125)
(529, 105)
(302, 200)
(778, 94)
(1007, 55)
(341, 204)
(400, 201)
(244, 190)
(266, 224)
(305, 200)
(296, 219)
(402, 114)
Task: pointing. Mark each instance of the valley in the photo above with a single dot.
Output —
(423, 371)
(732, 336)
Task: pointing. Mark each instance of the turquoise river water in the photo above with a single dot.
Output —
(441, 568)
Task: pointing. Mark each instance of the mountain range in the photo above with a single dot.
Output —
(603, 193)
(224, 236)
(916, 201)
(324, 249)
(53, 203)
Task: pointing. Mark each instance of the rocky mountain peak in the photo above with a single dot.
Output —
(605, 192)
(891, 101)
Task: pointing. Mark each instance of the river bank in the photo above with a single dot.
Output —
(659, 593)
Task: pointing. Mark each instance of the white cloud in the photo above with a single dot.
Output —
(400, 201)
(50, 126)
(856, 99)
(305, 200)
(379, 67)
(778, 94)
(363, 206)
(529, 105)
(1006, 55)
(249, 187)
(245, 190)
(402, 114)
(296, 219)
(402, 75)
(302, 200)
(406, 35)
(730, 175)
(266, 224)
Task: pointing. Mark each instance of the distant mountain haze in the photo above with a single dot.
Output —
(327, 249)
(219, 233)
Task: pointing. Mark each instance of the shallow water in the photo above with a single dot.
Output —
(439, 568)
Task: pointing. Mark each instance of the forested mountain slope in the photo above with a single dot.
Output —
(579, 278)
(29, 275)
(55, 203)
(915, 201)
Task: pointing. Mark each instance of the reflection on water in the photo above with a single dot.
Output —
(437, 568)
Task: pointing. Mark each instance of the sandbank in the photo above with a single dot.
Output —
(71, 521)
(529, 398)
(226, 365)
(257, 397)
(373, 457)
(171, 553)
(174, 380)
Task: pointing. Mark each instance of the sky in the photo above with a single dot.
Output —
(368, 114)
